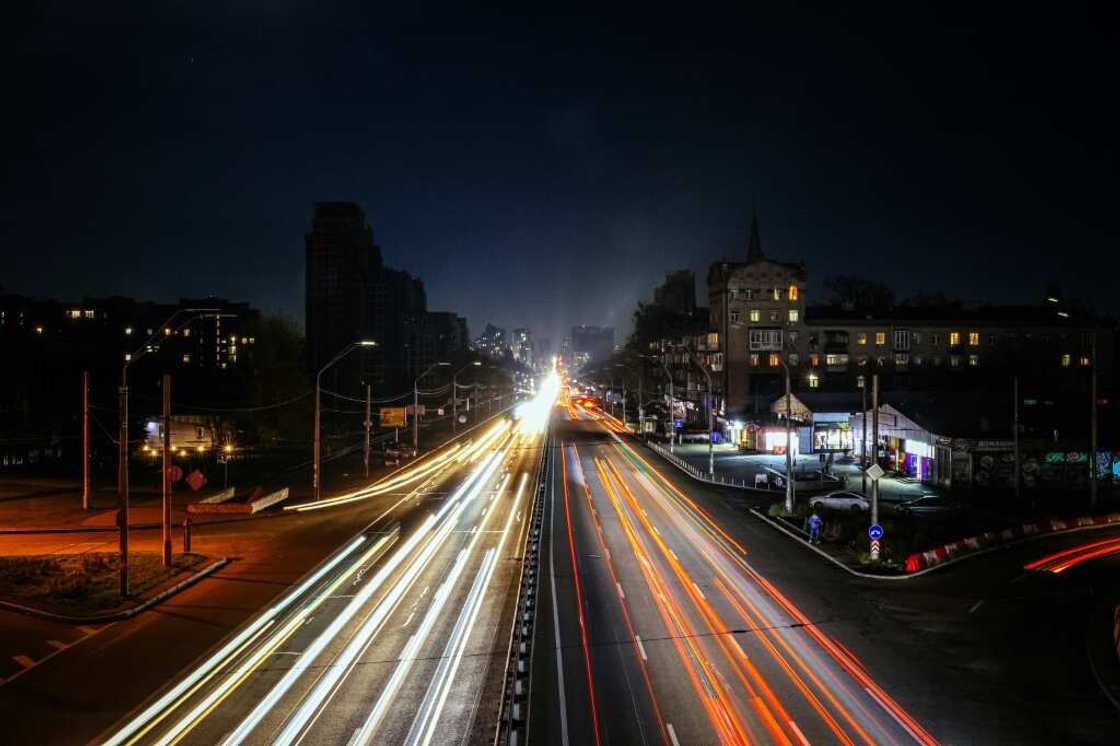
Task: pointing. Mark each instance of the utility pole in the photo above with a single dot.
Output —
(167, 470)
(368, 424)
(863, 438)
(1015, 434)
(875, 446)
(641, 406)
(789, 444)
(122, 481)
(85, 440)
(1093, 423)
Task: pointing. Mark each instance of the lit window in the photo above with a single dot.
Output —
(814, 380)
(187, 332)
(861, 338)
(901, 359)
(167, 331)
(74, 313)
(128, 331)
(794, 293)
(973, 360)
(1084, 360)
(793, 315)
(775, 360)
(954, 361)
(836, 359)
(1065, 360)
(252, 340)
(127, 356)
(754, 360)
(90, 313)
(954, 339)
(974, 339)
(186, 358)
(777, 293)
(861, 360)
(38, 330)
(244, 340)
(880, 338)
(755, 316)
(814, 360)
(860, 382)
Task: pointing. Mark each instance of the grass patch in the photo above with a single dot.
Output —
(89, 583)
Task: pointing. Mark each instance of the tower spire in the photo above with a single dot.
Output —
(754, 246)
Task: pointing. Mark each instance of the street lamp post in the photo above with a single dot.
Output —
(316, 476)
(711, 426)
(122, 444)
(455, 394)
(789, 445)
(416, 404)
(670, 432)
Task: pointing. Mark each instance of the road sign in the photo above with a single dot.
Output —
(196, 480)
(875, 532)
(175, 472)
(875, 472)
(393, 417)
(874, 549)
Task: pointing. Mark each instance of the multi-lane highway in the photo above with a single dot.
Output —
(398, 636)
(656, 628)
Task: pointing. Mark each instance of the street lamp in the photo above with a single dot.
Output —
(150, 345)
(227, 454)
(789, 450)
(711, 428)
(316, 477)
(416, 403)
(455, 394)
(668, 375)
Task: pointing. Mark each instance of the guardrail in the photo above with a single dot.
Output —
(513, 704)
(220, 497)
(702, 474)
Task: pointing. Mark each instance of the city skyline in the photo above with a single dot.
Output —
(875, 151)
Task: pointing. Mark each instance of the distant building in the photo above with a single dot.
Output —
(438, 336)
(493, 342)
(522, 347)
(397, 305)
(596, 342)
(340, 253)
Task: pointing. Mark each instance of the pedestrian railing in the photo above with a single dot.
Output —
(702, 474)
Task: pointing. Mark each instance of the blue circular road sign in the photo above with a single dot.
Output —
(875, 531)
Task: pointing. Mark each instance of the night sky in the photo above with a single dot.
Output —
(547, 170)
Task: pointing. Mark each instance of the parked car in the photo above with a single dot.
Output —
(840, 501)
(929, 505)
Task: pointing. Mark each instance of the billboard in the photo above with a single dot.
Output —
(393, 417)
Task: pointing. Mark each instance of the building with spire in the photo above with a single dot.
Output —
(756, 306)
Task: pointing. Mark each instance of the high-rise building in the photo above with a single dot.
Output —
(397, 304)
(340, 254)
(522, 347)
(597, 342)
(493, 342)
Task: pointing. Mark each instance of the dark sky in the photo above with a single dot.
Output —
(548, 169)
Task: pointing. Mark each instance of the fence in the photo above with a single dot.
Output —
(702, 475)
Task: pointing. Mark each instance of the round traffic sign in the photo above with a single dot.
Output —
(875, 532)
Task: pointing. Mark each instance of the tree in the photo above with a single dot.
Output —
(859, 293)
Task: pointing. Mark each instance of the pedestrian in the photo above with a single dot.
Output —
(815, 528)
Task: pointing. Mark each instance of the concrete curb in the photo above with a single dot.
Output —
(919, 573)
(118, 616)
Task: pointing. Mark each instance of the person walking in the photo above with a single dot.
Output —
(815, 528)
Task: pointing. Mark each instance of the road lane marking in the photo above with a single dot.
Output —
(672, 734)
(57, 644)
(641, 647)
(698, 590)
(555, 604)
(621, 594)
(23, 660)
(800, 736)
(975, 606)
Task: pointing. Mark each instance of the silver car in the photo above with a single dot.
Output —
(852, 501)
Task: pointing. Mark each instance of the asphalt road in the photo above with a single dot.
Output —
(400, 636)
(665, 605)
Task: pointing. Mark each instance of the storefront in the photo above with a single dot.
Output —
(832, 432)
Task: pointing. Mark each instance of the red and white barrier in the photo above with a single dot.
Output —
(937, 555)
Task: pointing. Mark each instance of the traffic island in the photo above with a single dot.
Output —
(84, 588)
